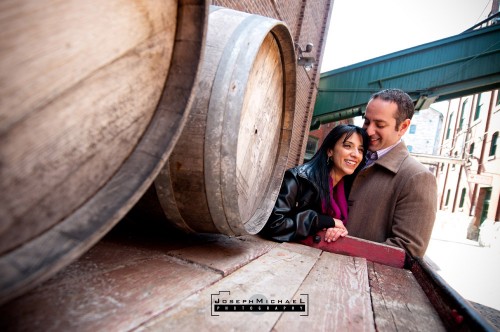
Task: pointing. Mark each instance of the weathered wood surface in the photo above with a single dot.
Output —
(399, 303)
(339, 296)
(125, 281)
(352, 246)
(224, 174)
(66, 104)
(279, 273)
(163, 280)
(88, 115)
(225, 254)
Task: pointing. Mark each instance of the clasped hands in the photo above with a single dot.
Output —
(333, 233)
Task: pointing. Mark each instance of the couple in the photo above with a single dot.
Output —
(362, 182)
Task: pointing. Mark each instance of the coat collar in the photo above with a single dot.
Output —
(304, 170)
(394, 158)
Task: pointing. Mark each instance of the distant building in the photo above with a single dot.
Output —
(471, 185)
(423, 136)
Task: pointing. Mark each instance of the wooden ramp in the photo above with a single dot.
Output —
(169, 281)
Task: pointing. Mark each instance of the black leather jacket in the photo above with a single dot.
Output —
(295, 215)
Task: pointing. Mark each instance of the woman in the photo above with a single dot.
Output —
(312, 196)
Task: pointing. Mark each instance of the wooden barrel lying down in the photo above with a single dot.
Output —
(93, 95)
(226, 169)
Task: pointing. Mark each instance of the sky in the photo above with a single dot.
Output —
(364, 29)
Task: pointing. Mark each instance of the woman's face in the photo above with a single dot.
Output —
(347, 155)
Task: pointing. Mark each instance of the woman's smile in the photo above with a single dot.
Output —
(346, 155)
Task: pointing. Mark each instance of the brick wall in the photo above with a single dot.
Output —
(308, 21)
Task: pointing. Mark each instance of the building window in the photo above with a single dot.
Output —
(462, 198)
(447, 197)
(498, 97)
(471, 149)
(413, 128)
(462, 117)
(410, 148)
(478, 107)
(486, 204)
(449, 126)
(311, 147)
(455, 155)
(442, 166)
(493, 147)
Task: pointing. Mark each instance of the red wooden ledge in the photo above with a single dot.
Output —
(352, 246)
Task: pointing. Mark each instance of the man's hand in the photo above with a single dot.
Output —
(333, 233)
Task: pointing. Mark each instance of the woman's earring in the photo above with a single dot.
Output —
(328, 160)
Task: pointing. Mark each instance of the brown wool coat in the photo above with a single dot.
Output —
(394, 201)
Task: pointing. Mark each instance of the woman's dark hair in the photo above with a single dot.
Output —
(320, 169)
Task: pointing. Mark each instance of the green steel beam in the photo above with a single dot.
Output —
(448, 68)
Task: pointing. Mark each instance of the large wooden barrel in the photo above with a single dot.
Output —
(93, 96)
(226, 169)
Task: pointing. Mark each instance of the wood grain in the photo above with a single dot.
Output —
(118, 299)
(88, 115)
(157, 280)
(399, 303)
(339, 297)
(82, 102)
(259, 131)
(225, 254)
(277, 274)
(224, 174)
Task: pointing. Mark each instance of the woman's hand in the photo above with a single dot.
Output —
(333, 233)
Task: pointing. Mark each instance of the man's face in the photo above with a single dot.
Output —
(380, 124)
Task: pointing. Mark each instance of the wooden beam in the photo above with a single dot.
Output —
(351, 246)
(434, 159)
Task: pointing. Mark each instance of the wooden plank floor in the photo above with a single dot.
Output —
(399, 302)
(165, 280)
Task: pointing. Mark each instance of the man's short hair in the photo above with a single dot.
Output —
(402, 99)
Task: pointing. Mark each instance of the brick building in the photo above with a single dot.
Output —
(308, 21)
(472, 186)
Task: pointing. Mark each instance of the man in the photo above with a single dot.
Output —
(394, 198)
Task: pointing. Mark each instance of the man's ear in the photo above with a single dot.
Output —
(403, 127)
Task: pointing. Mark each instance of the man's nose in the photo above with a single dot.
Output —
(369, 129)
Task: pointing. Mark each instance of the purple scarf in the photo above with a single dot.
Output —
(337, 200)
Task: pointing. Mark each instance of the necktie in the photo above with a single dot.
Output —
(372, 155)
(370, 158)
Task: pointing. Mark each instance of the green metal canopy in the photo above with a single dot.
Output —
(448, 68)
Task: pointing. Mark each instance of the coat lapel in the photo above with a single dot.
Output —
(394, 158)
